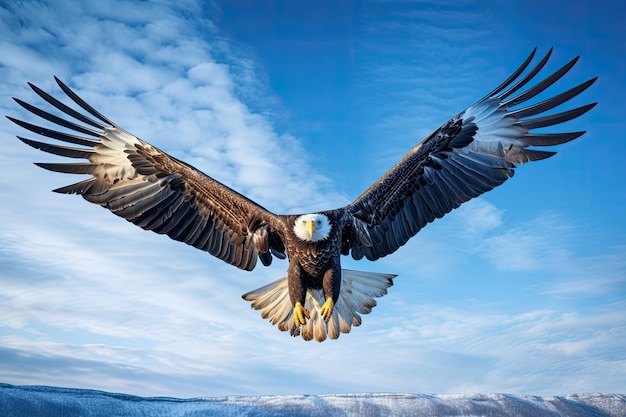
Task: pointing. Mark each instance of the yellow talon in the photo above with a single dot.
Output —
(300, 314)
(327, 309)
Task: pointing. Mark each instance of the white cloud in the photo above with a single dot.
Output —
(478, 217)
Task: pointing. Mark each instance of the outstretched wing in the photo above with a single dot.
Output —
(470, 154)
(152, 189)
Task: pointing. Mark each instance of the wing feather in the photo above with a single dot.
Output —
(69, 152)
(151, 189)
(541, 86)
(470, 154)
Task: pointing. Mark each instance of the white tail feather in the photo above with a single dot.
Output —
(358, 292)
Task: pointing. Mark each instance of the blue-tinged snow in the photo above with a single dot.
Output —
(39, 401)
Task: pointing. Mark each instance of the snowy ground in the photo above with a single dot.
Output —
(39, 401)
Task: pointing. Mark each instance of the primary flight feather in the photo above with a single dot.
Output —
(470, 154)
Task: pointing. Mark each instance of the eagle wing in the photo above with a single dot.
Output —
(152, 189)
(472, 153)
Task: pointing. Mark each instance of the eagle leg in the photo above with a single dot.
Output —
(327, 309)
(300, 314)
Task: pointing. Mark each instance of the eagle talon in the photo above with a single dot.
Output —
(327, 309)
(300, 314)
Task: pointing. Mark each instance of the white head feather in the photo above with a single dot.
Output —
(312, 227)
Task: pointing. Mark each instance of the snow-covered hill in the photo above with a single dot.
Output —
(37, 401)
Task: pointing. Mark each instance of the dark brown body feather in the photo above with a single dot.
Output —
(315, 264)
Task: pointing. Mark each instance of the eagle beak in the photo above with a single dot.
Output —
(310, 227)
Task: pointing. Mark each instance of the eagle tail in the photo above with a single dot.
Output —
(358, 292)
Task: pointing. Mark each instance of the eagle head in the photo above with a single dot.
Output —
(312, 227)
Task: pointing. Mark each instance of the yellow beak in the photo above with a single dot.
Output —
(310, 227)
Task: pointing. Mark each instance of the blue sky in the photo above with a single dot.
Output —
(301, 107)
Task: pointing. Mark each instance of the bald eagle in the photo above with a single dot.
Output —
(468, 155)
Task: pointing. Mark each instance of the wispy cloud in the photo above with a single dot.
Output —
(157, 309)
